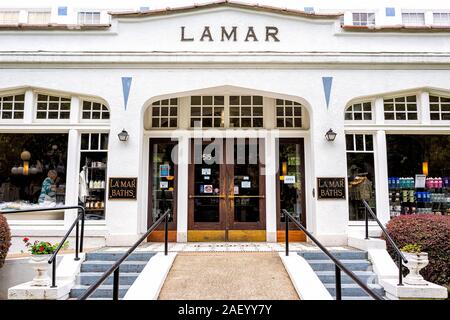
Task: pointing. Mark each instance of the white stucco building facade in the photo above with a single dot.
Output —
(129, 62)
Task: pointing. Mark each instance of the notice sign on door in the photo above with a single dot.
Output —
(122, 188)
(331, 188)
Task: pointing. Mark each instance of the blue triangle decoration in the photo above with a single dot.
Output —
(327, 81)
(126, 85)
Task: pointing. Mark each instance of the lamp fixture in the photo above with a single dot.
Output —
(123, 135)
(330, 135)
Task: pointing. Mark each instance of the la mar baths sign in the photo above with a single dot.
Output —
(230, 34)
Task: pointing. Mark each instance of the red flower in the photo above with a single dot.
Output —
(41, 248)
(26, 239)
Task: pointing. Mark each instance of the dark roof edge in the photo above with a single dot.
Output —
(67, 27)
(225, 3)
(397, 28)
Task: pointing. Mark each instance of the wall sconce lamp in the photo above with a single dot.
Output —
(330, 135)
(123, 135)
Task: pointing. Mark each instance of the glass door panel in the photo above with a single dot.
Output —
(246, 181)
(291, 179)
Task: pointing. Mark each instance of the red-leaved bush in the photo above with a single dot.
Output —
(432, 233)
(5, 239)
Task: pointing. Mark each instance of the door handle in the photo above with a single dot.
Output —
(249, 196)
(221, 196)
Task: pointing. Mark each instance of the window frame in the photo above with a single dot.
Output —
(40, 11)
(363, 113)
(11, 11)
(394, 111)
(439, 104)
(415, 13)
(12, 119)
(84, 13)
(92, 101)
(368, 22)
(47, 119)
(168, 117)
(447, 13)
(292, 117)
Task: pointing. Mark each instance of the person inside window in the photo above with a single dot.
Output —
(48, 190)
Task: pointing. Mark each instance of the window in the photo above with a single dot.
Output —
(9, 17)
(400, 108)
(246, 111)
(164, 113)
(207, 111)
(289, 114)
(94, 111)
(441, 18)
(360, 174)
(363, 18)
(413, 18)
(359, 111)
(88, 17)
(12, 107)
(51, 107)
(93, 167)
(26, 161)
(439, 108)
(39, 17)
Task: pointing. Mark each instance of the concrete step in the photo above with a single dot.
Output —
(353, 289)
(104, 291)
(329, 276)
(328, 265)
(341, 255)
(102, 266)
(114, 256)
(88, 278)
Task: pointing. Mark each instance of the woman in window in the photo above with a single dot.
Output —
(48, 190)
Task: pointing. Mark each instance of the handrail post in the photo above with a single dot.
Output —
(367, 222)
(338, 283)
(83, 216)
(116, 284)
(53, 274)
(166, 234)
(286, 221)
(400, 269)
(77, 231)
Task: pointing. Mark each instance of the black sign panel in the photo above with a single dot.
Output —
(331, 188)
(122, 188)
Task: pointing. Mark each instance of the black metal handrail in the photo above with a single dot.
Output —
(78, 238)
(116, 266)
(338, 265)
(401, 258)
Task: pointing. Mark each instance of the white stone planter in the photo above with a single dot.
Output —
(40, 264)
(416, 262)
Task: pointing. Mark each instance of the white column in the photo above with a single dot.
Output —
(271, 199)
(424, 108)
(75, 106)
(379, 111)
(381, 182)
(28, 107)
(348, 18)
(182, 184)
(428, 17)
(72, 178)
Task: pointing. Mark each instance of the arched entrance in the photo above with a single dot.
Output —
(226, 162)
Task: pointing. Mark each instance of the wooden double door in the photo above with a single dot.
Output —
(226, 190)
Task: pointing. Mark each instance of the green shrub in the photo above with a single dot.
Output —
(5, 239)
(412, 248)
(432, 234)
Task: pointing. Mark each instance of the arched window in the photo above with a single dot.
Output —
(359, 111)
(94, 111)
(439, 108)
(12, 106)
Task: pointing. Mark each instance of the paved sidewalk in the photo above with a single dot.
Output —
(228, 276)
